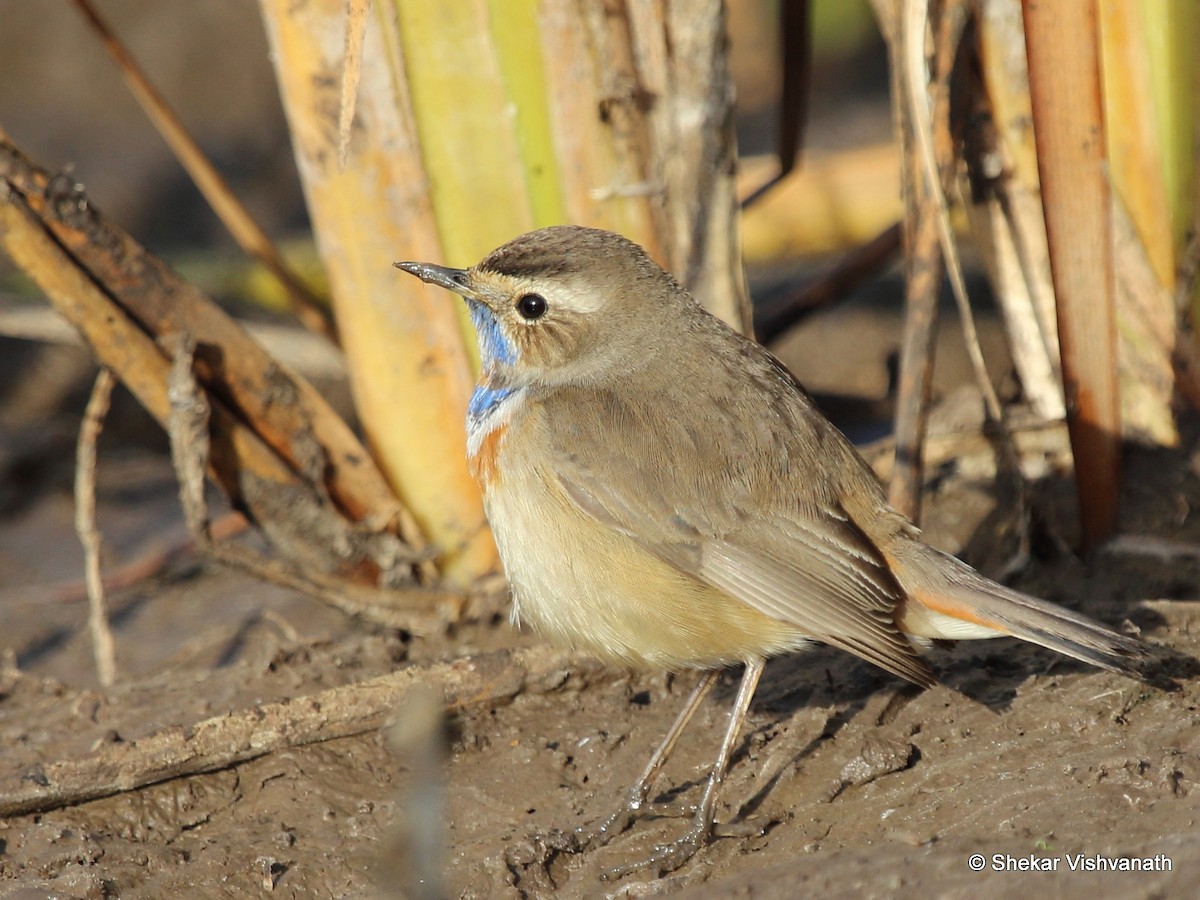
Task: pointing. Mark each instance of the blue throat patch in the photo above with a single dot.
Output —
(484, 399)
(494, 350)
(494, 347)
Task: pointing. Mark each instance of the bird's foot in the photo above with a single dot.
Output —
(597, 834)
(590, 837)
(666, 857)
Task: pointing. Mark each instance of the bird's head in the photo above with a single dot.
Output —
(563, 305)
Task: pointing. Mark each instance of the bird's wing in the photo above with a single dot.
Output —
(800, 559)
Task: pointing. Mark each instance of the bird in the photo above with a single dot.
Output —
(663, 493)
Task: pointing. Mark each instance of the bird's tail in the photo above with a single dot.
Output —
(947, 599)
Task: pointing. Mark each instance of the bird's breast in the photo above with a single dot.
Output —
(583, 583)
(489, 416)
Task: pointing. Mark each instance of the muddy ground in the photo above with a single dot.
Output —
(846, 783)
(850, 783)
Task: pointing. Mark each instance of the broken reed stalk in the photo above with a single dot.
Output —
(279, 452)
(1068, 118)
(188, 427)
(225, 740)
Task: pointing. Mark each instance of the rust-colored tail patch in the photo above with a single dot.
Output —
(913, 615)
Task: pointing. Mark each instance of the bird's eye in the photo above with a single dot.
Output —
(531, 306)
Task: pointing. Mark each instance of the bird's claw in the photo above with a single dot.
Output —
(666, 857)
(592, 837)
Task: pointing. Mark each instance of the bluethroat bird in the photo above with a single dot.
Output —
(663, 493)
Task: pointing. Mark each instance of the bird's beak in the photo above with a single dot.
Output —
(456, 280)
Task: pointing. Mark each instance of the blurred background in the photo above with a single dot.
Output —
(63, 101)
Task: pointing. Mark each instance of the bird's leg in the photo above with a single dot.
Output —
(600, 834)
(668, 857)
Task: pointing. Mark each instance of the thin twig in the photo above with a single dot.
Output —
(1041, 443)
(153, 560)
(1165, 550)
(839, 282)
(924, 269)
(297, 348)
(915, 381)
(915, 22)
(85, 524)
(795, 40)
(233, 214)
